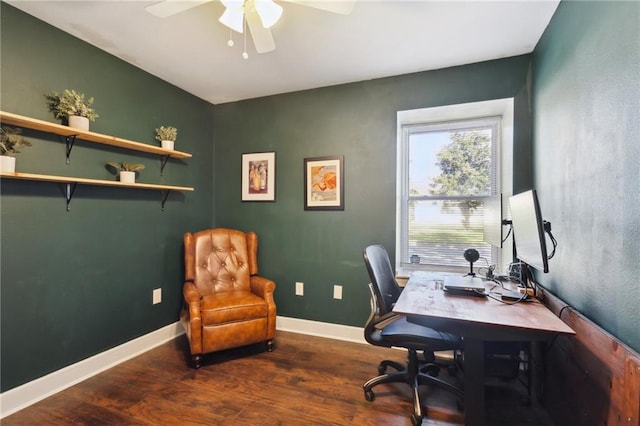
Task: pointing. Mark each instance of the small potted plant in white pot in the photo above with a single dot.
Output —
(127, 171)
(11, 140)
(71, 106)
(167, 136)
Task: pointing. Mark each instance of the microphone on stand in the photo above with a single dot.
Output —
(471, 255)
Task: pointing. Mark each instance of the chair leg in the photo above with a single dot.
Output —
(195, 361)
(413, 374)
(382, 367)
(416, 417)
(427, 379)
(400, 377)
(269, 345)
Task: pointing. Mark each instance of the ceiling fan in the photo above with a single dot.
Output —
(258, 15)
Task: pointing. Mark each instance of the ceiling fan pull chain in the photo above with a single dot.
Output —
(245, 55)
(230, 42)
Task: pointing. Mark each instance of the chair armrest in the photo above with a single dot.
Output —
(192, 299)
(193, 318)
(262, 287)
(191, 293)
(385, 320)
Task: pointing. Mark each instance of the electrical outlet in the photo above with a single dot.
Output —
(157, 296)
(299, 288)
(337, 292)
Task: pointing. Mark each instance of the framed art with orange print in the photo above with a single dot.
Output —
(259, 176)
(324, 183)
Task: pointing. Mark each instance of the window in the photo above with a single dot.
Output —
(448, 164)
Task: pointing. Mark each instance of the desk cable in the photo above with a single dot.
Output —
(555, 337)
(562, 309)
(506, 302)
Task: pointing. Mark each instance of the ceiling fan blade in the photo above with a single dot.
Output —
(262, 38)
(168, 8)
(343, 7)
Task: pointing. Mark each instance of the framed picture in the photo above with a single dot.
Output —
(259, 176)
(324, 183)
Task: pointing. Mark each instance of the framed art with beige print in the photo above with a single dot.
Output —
(324, 183)
(259, 176)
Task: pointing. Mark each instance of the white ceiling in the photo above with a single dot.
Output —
(315, 48)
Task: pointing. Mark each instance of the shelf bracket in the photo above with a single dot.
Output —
(163, 162)
(70, 189)
(165, 195)
(70, 140)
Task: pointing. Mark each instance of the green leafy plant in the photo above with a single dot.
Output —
(69, 103)
(166, 133)
(11, 140)
(125, 167)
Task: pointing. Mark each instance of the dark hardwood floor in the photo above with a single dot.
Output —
(306, 380)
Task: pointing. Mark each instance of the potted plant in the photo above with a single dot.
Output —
(127, 170)
(71, 106)
(167, 136)
(11, 140)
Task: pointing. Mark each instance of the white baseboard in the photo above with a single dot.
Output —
(22, 396)
(321, 329)
(36, 390)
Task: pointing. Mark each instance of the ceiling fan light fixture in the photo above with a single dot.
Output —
(233, 15)
(268, 11)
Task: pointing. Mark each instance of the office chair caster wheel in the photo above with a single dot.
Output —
(415, 420)
(452, 370)
(369, 396)
(431, 370)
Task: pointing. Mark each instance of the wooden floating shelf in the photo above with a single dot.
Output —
(66, 131)
(72, 182)
(85, 181)
(70, 134)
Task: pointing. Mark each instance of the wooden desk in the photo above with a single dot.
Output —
(476, 319)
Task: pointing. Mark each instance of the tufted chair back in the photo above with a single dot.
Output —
(226, 303)
(220, 260)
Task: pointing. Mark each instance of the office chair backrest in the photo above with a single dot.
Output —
(382, 277)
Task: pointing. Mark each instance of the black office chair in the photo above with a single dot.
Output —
(385, 328)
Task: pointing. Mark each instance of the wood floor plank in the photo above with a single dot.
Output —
(306, 380)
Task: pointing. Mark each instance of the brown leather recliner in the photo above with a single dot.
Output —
(226, 304)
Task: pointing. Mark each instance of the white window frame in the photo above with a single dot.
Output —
(452, 113)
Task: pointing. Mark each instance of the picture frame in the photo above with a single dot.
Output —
(259, 176)
(324, 183)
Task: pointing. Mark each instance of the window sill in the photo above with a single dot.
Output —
(404, 273)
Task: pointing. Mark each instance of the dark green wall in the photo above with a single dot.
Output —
(323, 248)
(77, 283)
(587, 159)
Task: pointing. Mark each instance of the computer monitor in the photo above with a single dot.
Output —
(492, 218)
(528, 230)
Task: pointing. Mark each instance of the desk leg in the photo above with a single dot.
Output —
(537, 374)
(474, 400)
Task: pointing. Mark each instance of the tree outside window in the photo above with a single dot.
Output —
(451, 168)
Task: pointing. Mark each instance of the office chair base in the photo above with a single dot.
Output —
(415, 374)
